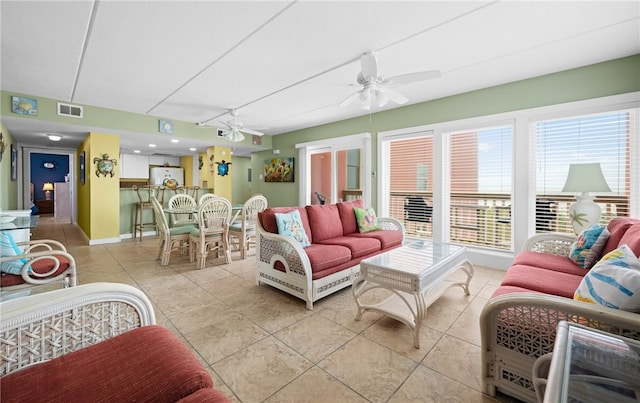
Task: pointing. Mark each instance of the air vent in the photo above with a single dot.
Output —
(69, 110)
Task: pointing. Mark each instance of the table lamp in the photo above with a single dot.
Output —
(585, 178)
(48, 187)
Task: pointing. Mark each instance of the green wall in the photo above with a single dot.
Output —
(8, 189)
(599, 80)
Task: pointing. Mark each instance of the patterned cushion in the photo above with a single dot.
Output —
(581, 248)
(8, 247)
(366, 219)
(613, 282)
(290, 225)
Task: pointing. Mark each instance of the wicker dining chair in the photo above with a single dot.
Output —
(182, 201)
(244, 227)
(212, 233)
(171, 239)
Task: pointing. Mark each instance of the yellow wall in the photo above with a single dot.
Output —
(99, 196)
(221, 184)
(186, 162)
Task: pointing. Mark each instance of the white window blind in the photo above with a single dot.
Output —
(603, 138)
(480, 185)
(411, 183)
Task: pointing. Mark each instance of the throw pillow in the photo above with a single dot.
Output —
(613, 282)
(596, 249)
(8, 247)
(582, 245)
(366, 219)
(290, 225)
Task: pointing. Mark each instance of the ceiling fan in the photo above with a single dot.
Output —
(377, 89)
(233, 128)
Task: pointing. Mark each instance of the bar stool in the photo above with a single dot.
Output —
(145, 193)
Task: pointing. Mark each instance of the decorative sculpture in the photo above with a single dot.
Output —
(105, 165)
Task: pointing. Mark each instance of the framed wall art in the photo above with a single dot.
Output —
(14, 162)
(82, 167)
(24, 106)
(278, 170)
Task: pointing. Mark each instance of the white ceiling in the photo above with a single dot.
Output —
(286, 64)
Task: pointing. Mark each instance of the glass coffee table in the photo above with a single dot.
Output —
(589, 365)
(416, 274)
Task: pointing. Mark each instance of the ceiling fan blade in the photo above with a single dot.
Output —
(251, 131)
(369, 65)
(393, 95)
(403, 79)
(350, 99)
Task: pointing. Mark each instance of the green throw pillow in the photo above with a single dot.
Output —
(366, 219)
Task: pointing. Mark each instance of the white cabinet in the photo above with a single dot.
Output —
(62, 200)
(134, 166)
(163, 160)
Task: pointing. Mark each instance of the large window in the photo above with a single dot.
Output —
(480, 186)
(604, 138)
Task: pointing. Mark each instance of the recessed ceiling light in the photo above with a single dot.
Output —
(175, 140)
(136, 151)
(53, 137)
(192, 149)
(152, 145)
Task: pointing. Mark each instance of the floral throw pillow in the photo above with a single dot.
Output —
(8, 247)
(366, 219)
(584, 251)
(613, 282)
(290, 225)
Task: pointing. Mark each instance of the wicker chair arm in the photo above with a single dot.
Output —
(276, 246)
(41, 245)
(554, 243)
(74, 318)
(390, 223)
(32, 277)
(527, 322)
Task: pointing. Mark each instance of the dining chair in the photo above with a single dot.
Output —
(212, 232)
(145, 193)
(182, 201)
(206, 197)
(171, 239)
(244, 228)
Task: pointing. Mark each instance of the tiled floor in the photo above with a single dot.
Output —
(261, 345)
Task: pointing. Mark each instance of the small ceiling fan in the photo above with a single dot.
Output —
(377, 89)
(233, 128)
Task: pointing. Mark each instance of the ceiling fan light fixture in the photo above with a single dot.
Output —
(234, 136)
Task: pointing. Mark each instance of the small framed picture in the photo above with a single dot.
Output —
(82, 167)
(14, 162)
(24, 106)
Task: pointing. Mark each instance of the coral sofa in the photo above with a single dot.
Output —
(331, 262)
(95, 342)
(519, 322)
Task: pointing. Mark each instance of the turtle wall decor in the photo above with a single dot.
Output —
(105, 165)
(223, 168)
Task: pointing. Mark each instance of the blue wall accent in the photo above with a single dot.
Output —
(40, 175)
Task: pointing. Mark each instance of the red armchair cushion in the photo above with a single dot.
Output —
(145, 364)
(617, 228)
(548, 261)
(40, 266)
(632, 239)
(542, 280)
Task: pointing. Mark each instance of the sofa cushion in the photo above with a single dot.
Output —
(347, 216)
(324, 221)
(542, 280)
(268, 219)
(388, 239)
(631, 238)
(549, 262)
(617, 228)
(290, 225)
(145, 364)
(588, 245)
(358, 246)
(323, 257)
(366, 219)
(508, 289)
(613, 282)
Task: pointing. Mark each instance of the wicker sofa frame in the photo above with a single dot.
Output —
(517, 328)
(296, 278)
(45, 326)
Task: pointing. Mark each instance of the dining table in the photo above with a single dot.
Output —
(235, 210)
